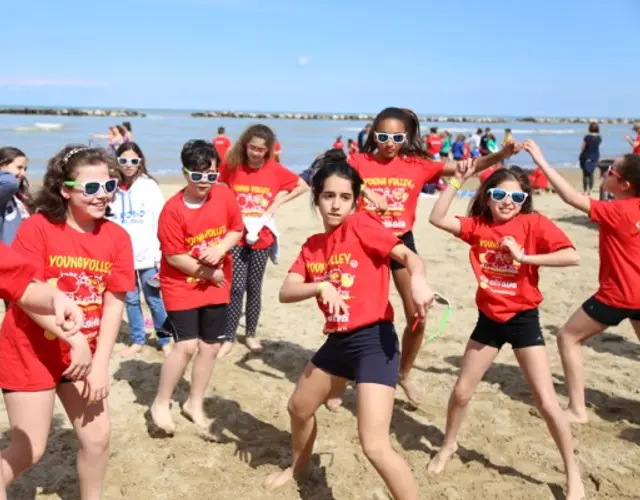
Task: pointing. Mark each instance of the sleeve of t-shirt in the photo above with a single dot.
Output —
(287, 179)
(376, 240)
(606, 213)
(431, 170)
(468, 227)
(233, 210)
(299, 266)
(171, 232)
(121, 277)
(549, 237)
(15, 274)
(30, 243)
(353, 161)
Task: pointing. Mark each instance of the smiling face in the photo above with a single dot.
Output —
(502, 211)
(336, 201)
(390, 149)
(257, 151)
(82, 206)
(17, 167)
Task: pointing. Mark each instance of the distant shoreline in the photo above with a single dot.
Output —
(356, 117)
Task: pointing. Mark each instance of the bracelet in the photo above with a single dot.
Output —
(455, 183)
(321, 287)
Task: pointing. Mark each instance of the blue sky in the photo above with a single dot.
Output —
(541, 57)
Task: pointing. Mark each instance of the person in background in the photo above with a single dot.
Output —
(277, 150)
(222, 143)
(338, 143)
(434, 144)
(137, 208)
(352, 147)
(589, 157)
(484, 142)
(635, 143)
(445, 150)
(362, 135)
(457, 148)
(128, 133)
(13, 167)
(492, 145)
(474, 143)
(508, 137)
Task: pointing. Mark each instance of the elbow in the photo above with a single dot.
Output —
(574, 259)
(435, 220)
(284, 297)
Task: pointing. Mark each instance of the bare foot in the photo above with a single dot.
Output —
(278, 479)
(576, 417)
(333, 404)
(166, 349)
(440, 461)
(413, 395)
(132, 350)
(575, 488)
(161, 416)
(196, 415)
(225, 350)
(254, 344)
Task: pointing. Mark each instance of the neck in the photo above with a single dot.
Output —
(82, 224)
(190, 197)
(257, 164)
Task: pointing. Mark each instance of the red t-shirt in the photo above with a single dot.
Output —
(277, 149)
(15, 274)
(400, 181)
(636, 150)
(84, 266)
(338, 145)
(507, 287)
(222, 145)
(434, 144)
(486, 173)
(184, 230)
(538, 180)
(354, 258)
(619, 275)
(255, 190)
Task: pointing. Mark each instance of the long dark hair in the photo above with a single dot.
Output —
(142, 168)
(413, 144)
(480, 204)
(334, 162)
(63, 167)
(7, 156)
(630, 171)
(237, 155)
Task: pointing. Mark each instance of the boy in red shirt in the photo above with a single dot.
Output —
(509, 242)
(618, 297)
(222, 144)
(197, 228)
(434, 144)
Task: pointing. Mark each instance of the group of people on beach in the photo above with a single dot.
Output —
(100, 233)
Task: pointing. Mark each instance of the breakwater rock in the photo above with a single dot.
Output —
(363, 117)
(111, 113)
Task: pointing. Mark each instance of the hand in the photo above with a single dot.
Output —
(211, 255)
(96, 385)
(627, 137)
(465, 169)
(218, 278)
(331, 298)
(81, 359)
(421, 294)
(69, 317)
(511, 148)
(534, 150)
(378, 200)
(511, 244)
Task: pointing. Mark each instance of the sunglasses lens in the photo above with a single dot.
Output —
(92, 188)
(518, 198)
(110, 186)
(383, 137)
(398, 138)
(212, 177)
(196, 176)
(135, 161)
(122, 161)
(498, 194)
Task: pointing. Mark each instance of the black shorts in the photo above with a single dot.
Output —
(608, 315)
(205, 323)
(63, 380)
(523, 330)
(410, 243)
(368, 355)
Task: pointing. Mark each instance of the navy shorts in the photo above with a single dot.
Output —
(608, 315)
(523, 330)
(409, 241)
(205, 323)
(368, 355)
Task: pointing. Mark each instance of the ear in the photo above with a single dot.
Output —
(64, 191)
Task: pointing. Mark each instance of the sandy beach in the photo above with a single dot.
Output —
(505, 452)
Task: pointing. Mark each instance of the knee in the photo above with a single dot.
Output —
(565, 338)
(299, 409)
(96, 442)
(462, 394)
(187, 348)
(132, 298)
(375, 449)
(548, 406)
(23, 452)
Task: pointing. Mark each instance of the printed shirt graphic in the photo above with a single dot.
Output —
(184, 230)
(506, 286)
(15, 274)
(619, 274)
(400, 182)
(355, 260)
(255, 190)
(82, 265)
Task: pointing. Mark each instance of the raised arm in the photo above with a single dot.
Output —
(566, 191)
(439, 214)
(485, 162)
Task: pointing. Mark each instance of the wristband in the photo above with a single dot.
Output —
(321, 287)
(455, 183)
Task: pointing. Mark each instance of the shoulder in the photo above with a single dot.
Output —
(314, 244)
(37, 222)
(113, 231)
(173, 204)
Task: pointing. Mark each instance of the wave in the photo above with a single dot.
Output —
(36, 127)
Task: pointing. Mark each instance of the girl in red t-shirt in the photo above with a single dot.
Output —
(261, 186)
(509, 242)
(346, 268)
(75, 249)
(618, 296)
(394, 168)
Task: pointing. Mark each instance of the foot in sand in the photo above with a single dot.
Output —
(195, 414)
(440, 461)
(575, 489)
(161, 416)
(278, 479)
(132, 350)
(576, 417)
(410, 390)
(333, 404)
(254, 344)
(225, 350)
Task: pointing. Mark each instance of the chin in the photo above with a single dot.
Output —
(97, 213)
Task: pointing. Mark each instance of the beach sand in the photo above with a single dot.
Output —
(505, 452)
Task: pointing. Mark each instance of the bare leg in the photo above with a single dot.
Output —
(534, 364)
(411, 340)
(636, 328)
(313, 389)
(476, 361)
(225, 350)
(30, 416)
(374, 411)
(172, 371)
(576, 330)
(93, 427)
(200, 375)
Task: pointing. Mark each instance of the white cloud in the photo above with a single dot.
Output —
(48, 82)
(304, 60)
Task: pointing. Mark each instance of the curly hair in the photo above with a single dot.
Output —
(237, 155)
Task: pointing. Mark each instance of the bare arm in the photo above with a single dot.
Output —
(285, 197)
(439, 214)
(294, 289)
(190, 266)
(562, 258)
(113, 307)
(485, 162)
(634, 143)
(414, 264)
(566, 191)
(230, 240)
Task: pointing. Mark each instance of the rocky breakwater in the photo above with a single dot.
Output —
(364, 117)
(110, 113)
